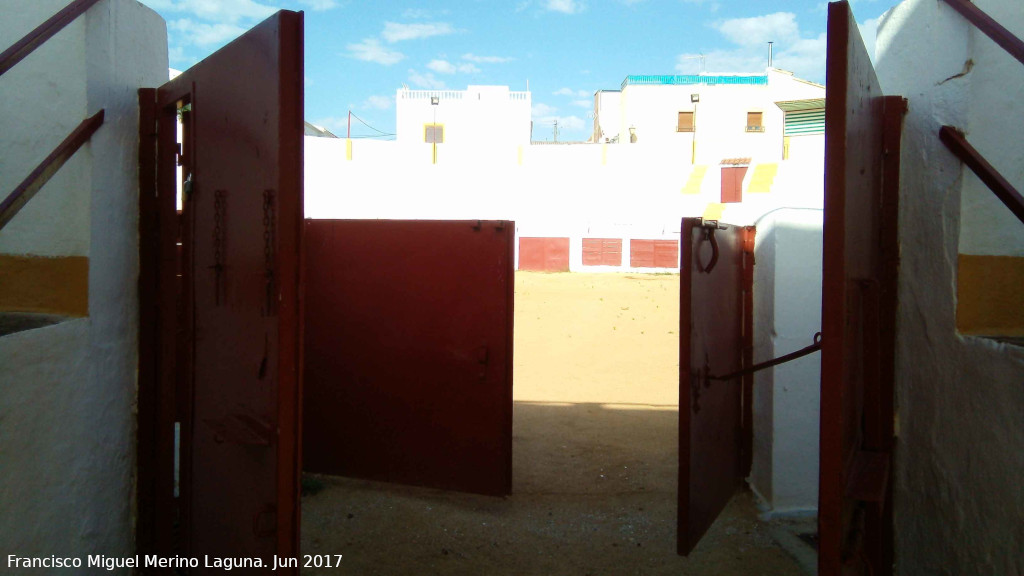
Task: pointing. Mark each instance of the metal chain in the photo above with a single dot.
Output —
(268, 248)
(218, 241)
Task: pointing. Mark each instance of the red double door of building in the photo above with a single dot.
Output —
(408, 325)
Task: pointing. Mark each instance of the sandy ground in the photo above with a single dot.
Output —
(595, 442)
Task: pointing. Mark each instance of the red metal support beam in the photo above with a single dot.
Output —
(956, 142)
(49, 166)
(994, 30)
(42, 33)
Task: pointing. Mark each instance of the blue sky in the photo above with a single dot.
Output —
(358, 53)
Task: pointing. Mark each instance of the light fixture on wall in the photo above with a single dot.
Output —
(694, 98)
(434, 100)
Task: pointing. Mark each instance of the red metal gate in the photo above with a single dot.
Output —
(409, 352)
(862, 150)
(715, 338)
(544, 254)
(223, 360)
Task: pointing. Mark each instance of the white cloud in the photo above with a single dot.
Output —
(804, 56)
(544, 116)
(218, 11)
(779, 27)
(203, 34)
(868, 31)
(583, 103)
(337, 125)
(445, 67)
(371, 50)
(415, 14)
(425, 80)
(486, 59)
(564, 6)
(395, 32)
(319, 5)
(540, 109)
(573, 93)
(378, 102)
(441, 66)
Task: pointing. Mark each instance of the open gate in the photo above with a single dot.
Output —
(221, 351)
(409, 352)
(863, 130)
(715, 339)
(861, 259)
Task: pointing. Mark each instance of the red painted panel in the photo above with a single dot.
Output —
(409, 352)
(862, 142)
(239, 364)
(602, 252)
(732, 183)
(653, 253)
(544, 254)
(711, 433)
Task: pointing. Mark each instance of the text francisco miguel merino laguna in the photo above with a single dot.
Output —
(150, 561)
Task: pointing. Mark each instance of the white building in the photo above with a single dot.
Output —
(708, 117)
(606, 116)
(478, 115)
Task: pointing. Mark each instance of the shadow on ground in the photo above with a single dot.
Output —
(594, 492)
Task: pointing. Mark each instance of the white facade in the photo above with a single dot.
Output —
(479, 115)
(960, 399)
(650, 106)
(68, 390)
(606, 116)
(786, 401)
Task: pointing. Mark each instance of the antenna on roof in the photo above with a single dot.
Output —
(702, 68)
(770, 54)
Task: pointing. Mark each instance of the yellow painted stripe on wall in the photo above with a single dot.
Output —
(714, 211)
(520, 154)
(348, 149)
(989, 297)
(762, 178)
(45, 285)
(695, 180)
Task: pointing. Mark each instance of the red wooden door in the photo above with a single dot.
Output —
(653, 253)
(602, 251)
(544, 254)
(715, 279)
(409, 352)
(732, 183)
(229, 331)
(862, 149)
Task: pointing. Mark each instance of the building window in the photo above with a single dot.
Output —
(685, 122)
(433, 133)
(755, 122)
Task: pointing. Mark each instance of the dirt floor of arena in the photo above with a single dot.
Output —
(594, 465)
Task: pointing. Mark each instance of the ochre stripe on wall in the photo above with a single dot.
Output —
(46, 285)
(989, 300)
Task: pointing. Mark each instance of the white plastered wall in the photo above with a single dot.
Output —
(720, 117)
(575, 191)
(787, 314)
(479, 115)
(67, 391)
(960, 400)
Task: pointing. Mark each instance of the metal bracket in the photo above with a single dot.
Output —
(709, 227)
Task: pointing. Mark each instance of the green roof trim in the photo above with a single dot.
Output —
(695, 79)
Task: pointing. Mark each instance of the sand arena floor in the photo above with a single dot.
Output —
(594, 459)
